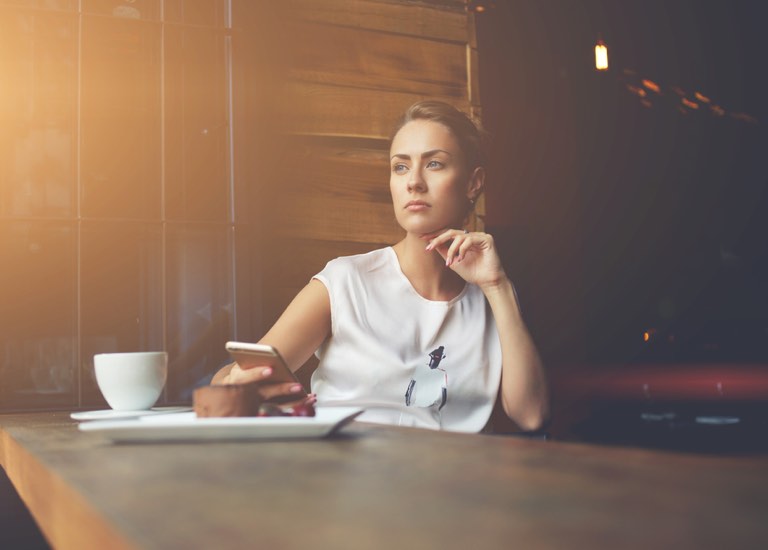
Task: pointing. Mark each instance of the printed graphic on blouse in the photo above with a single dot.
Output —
(429, 385)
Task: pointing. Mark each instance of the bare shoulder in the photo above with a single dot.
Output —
(312, 304)
(315, 294)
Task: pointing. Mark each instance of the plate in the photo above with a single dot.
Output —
(187, 427)
(110, 414)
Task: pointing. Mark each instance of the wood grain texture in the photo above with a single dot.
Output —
(344, 170)
(445, 20)
(333, 219)
(334, 110)
(365, 490)
(65, 517)
(378, 61)
(336, 193)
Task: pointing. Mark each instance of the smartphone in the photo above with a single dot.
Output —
(260, 355)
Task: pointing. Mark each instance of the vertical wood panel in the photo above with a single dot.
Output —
(473, 68)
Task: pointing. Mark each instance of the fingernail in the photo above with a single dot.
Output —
(429, 246)
(267, 371)
(296, 388)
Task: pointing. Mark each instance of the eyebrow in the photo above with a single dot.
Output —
(427, 154)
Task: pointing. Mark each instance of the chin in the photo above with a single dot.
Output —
(419, 228)
(430, 231)
(426, 226)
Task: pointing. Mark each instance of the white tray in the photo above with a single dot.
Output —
(110, 414)
(187, 427)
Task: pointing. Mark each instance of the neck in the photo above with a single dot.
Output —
(426, 271)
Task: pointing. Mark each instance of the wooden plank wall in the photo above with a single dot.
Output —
(354, 66)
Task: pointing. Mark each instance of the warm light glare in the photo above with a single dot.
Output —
(690, 104)
(601, 56)
(651, 85)
(717, 110)
(701, 97)
(479, 6)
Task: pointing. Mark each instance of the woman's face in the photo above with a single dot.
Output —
(429, 180)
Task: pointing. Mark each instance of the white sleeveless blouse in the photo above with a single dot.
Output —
(407, 360)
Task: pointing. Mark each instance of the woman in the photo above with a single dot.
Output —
(427, 332)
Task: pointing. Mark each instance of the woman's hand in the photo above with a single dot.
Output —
(472, 256)
(259, 375)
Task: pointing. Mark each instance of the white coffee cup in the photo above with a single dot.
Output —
(131, 381)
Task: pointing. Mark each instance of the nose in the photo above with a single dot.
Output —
(416, 183)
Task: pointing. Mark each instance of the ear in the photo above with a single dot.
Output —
(476, 183)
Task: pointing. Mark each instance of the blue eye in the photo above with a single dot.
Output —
(399, 168)
(434, 164)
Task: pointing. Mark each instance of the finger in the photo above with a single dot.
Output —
(465, 247)
(453, 249)
(239, 375)
(443, 238)
(272, 391)
(439, 239)
(307, 400)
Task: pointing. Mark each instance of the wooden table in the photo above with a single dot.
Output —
(378, 487)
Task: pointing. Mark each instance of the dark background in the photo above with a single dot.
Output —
(616, 217)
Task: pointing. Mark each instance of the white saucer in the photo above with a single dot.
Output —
(110, 414)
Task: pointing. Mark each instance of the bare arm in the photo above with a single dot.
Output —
(524, 392)
(303, 326)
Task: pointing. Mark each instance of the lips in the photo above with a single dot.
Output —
(417, 205)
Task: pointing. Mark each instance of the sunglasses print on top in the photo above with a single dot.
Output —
(429, 384)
